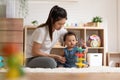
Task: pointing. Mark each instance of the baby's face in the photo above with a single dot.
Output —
(70, 41)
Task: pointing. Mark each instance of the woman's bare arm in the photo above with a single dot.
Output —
(36, 52)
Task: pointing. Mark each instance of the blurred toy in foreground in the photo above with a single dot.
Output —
(1, 62)
(14, 61)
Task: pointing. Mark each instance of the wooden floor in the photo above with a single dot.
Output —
(73, 76)
(70, 76)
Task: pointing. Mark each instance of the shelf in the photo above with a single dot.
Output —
(95, 47)
(88, 47)
(81, 33)
(71, 27)
(58, 47)
(29, 27)
(90, 28)
(113, 58)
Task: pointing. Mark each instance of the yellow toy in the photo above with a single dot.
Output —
(80, 64)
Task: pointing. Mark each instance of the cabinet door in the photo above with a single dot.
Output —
(11, 24)
(11, 36)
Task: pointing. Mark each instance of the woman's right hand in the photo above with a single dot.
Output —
(58, 58)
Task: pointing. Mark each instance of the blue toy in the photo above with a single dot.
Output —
(1, 62)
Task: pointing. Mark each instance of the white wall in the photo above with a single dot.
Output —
(119, 25)
(81, 11)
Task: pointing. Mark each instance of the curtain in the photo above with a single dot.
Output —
(14, 8)
(2, 8)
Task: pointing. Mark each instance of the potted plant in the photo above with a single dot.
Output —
(35, 22)
(97, 20)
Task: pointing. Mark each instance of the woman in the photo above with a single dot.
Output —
(44, 38)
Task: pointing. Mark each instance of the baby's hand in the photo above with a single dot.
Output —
(62, 60)
(84, 45)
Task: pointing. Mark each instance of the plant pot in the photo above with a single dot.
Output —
(97, 24)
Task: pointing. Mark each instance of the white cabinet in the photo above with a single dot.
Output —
(94, 59)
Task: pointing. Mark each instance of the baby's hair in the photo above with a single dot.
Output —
(69, 33)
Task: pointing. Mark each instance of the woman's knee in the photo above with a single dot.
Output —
(42, 62)
(51, 62)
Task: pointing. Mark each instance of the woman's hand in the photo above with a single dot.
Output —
(36, 52)
(58, 58)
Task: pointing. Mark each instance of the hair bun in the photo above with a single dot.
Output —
(56, 6)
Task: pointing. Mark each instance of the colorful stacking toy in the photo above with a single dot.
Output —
(80, 58)
(14, 61)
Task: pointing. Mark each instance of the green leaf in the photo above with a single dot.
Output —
(97, 19)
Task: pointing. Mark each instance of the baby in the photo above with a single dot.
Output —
(70, 51)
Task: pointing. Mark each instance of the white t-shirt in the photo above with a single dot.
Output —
(41, 35)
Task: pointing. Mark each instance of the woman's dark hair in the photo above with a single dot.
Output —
(56, 13)
(69, 33)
